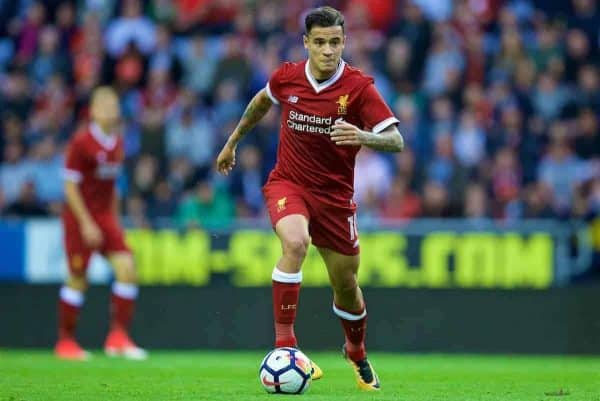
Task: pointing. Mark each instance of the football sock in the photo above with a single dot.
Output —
(286, 290)
(122, 304)
(69, 304)
(355, 325)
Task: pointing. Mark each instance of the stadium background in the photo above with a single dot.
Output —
(482, 236)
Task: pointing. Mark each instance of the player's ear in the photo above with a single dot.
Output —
(305, 41)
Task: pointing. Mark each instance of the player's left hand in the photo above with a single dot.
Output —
(346, 134)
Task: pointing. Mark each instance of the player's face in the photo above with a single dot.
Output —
(106, 111)
(325, 46)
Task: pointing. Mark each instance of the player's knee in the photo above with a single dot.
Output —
(125, 270)
(296, 246)
(77, 282)
(345, 285)
(129, 273)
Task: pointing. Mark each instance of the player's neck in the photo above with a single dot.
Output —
(320, 76)
(107, 130)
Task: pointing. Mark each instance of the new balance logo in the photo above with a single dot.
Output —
(293, 99)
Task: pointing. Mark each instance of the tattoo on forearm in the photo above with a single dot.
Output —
(255, 111)
(386, 141)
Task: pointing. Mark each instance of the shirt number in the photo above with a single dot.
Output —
(353, 227)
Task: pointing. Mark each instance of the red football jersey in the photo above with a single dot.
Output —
(306, 155)
(94, 160)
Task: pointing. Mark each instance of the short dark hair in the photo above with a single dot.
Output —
(324, 17)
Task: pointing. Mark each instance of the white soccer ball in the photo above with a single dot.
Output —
(285, 371)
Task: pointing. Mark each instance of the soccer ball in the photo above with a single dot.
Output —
(285, 371)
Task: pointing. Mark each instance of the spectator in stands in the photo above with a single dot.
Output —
(586, 17)
(444, 62)
(48, 60)
(207, 207)
(246, 183)
(436, 203)
(131, 26)
(12, 130)
(372, 176)
(506, 180)
(401, 202)
(163, 202)
(199, 65)
(476, 203)
(469, 141)
(135, 210)
(26, 204)
(28, 37)
(181, 175)
(16, 94)
(587, 93)
(158, 100)
(538, 202)
(144, 175)
(15, 172)
(550, 97)
(164, 56)
(560, 169)
(190, 132)
(46, 173)
(587, 139)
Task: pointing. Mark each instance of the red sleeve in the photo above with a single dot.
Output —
(75, 161)
(273, 87)
(375, 115)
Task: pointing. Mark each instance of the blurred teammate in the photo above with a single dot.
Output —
(328, 111)
(91, 223)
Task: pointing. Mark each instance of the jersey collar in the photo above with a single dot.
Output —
(318, 87)
(105, 140)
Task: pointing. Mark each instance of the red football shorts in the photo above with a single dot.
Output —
(331, 225)
(78, 253)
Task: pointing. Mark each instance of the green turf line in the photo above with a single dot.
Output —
(228, 376)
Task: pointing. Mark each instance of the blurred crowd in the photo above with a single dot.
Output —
(498, 101)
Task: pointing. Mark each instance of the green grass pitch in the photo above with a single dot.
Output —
(224, 376)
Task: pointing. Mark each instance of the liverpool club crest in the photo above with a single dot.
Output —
(342, 104)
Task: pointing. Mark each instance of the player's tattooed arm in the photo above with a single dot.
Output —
(255, 111)
(388, 140)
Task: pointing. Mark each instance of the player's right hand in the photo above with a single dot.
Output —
(91, 234)
(226, 159)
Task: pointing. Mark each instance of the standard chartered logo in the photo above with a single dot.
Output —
(309, 123)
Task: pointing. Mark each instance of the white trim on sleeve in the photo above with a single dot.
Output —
(72, 175)
(348, 316)
(284, 277)
(270, 94)
(384, 124)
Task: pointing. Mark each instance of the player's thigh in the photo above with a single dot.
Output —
(334, 227)
(123, 265)
(283, 199)
(292, 231)
(288, 213)
(342, 269)
(77, 253)
(115, 249)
